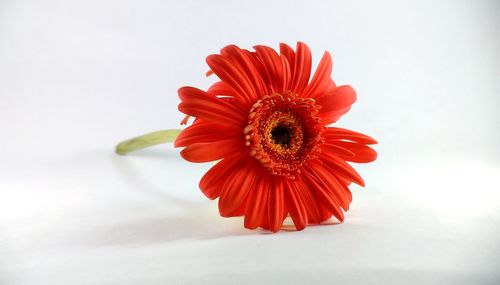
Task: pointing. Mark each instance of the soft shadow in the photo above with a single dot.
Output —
(131, 173)
(127, 168)
(172, 218)
(195, 224)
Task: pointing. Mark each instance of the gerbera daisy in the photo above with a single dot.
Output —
(267, 124)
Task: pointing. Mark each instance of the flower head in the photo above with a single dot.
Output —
(268, 126)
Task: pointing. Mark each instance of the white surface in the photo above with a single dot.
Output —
(78, 76)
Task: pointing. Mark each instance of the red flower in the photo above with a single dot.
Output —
(267, 123)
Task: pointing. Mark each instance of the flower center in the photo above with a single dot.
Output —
(281, 135)
(283, 132)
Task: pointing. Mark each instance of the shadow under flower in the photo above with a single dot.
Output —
(164, 159)
(194, 224)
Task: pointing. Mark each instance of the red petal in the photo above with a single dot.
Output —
(322, 195)
(256, 208)
(204, 152)
(344, 134)
(223, 91)
(236, 76)
(335, 104)
(273, 66)
(321, 80)
(342, 168)
(310, 203)
(287, 73)
(302, 68)
(295, 205)
(359, 152)
(287, 52)
(245, 62)
(211, 183)
(222, 88)
(331, 184)
(326, 214)
(338, 150)
(345, 189)
(276, 206)
(202, 105)
(238, 184)
(204, 131)
(331, 87)
(344, 181)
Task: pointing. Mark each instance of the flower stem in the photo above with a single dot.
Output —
(146, 140)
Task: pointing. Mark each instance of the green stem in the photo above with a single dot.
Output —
(146, 140)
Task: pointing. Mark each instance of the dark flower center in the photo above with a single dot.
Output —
(281, 135)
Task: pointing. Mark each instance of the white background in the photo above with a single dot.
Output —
(76, 77)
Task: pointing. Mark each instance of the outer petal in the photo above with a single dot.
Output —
(326, 213)
(322, 194)
(321, 80)
(338, 150)
(332, 185)
(359, 152)
(352, 143)
(302, 68)
(335, 104)
(295, 204)
(222, 88)
(287, 52)
(206, 131)
(205, 106)
(273, 67)
(287, 73)
(238, 71)
(211, 183)
(224, 92)
(276, 205)
(256, 207)
(240, 181)
(244, 60)
(343, 183)
(205, 152)
(343, 180)
(306, 195)
(341, 167)
(332, 133)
